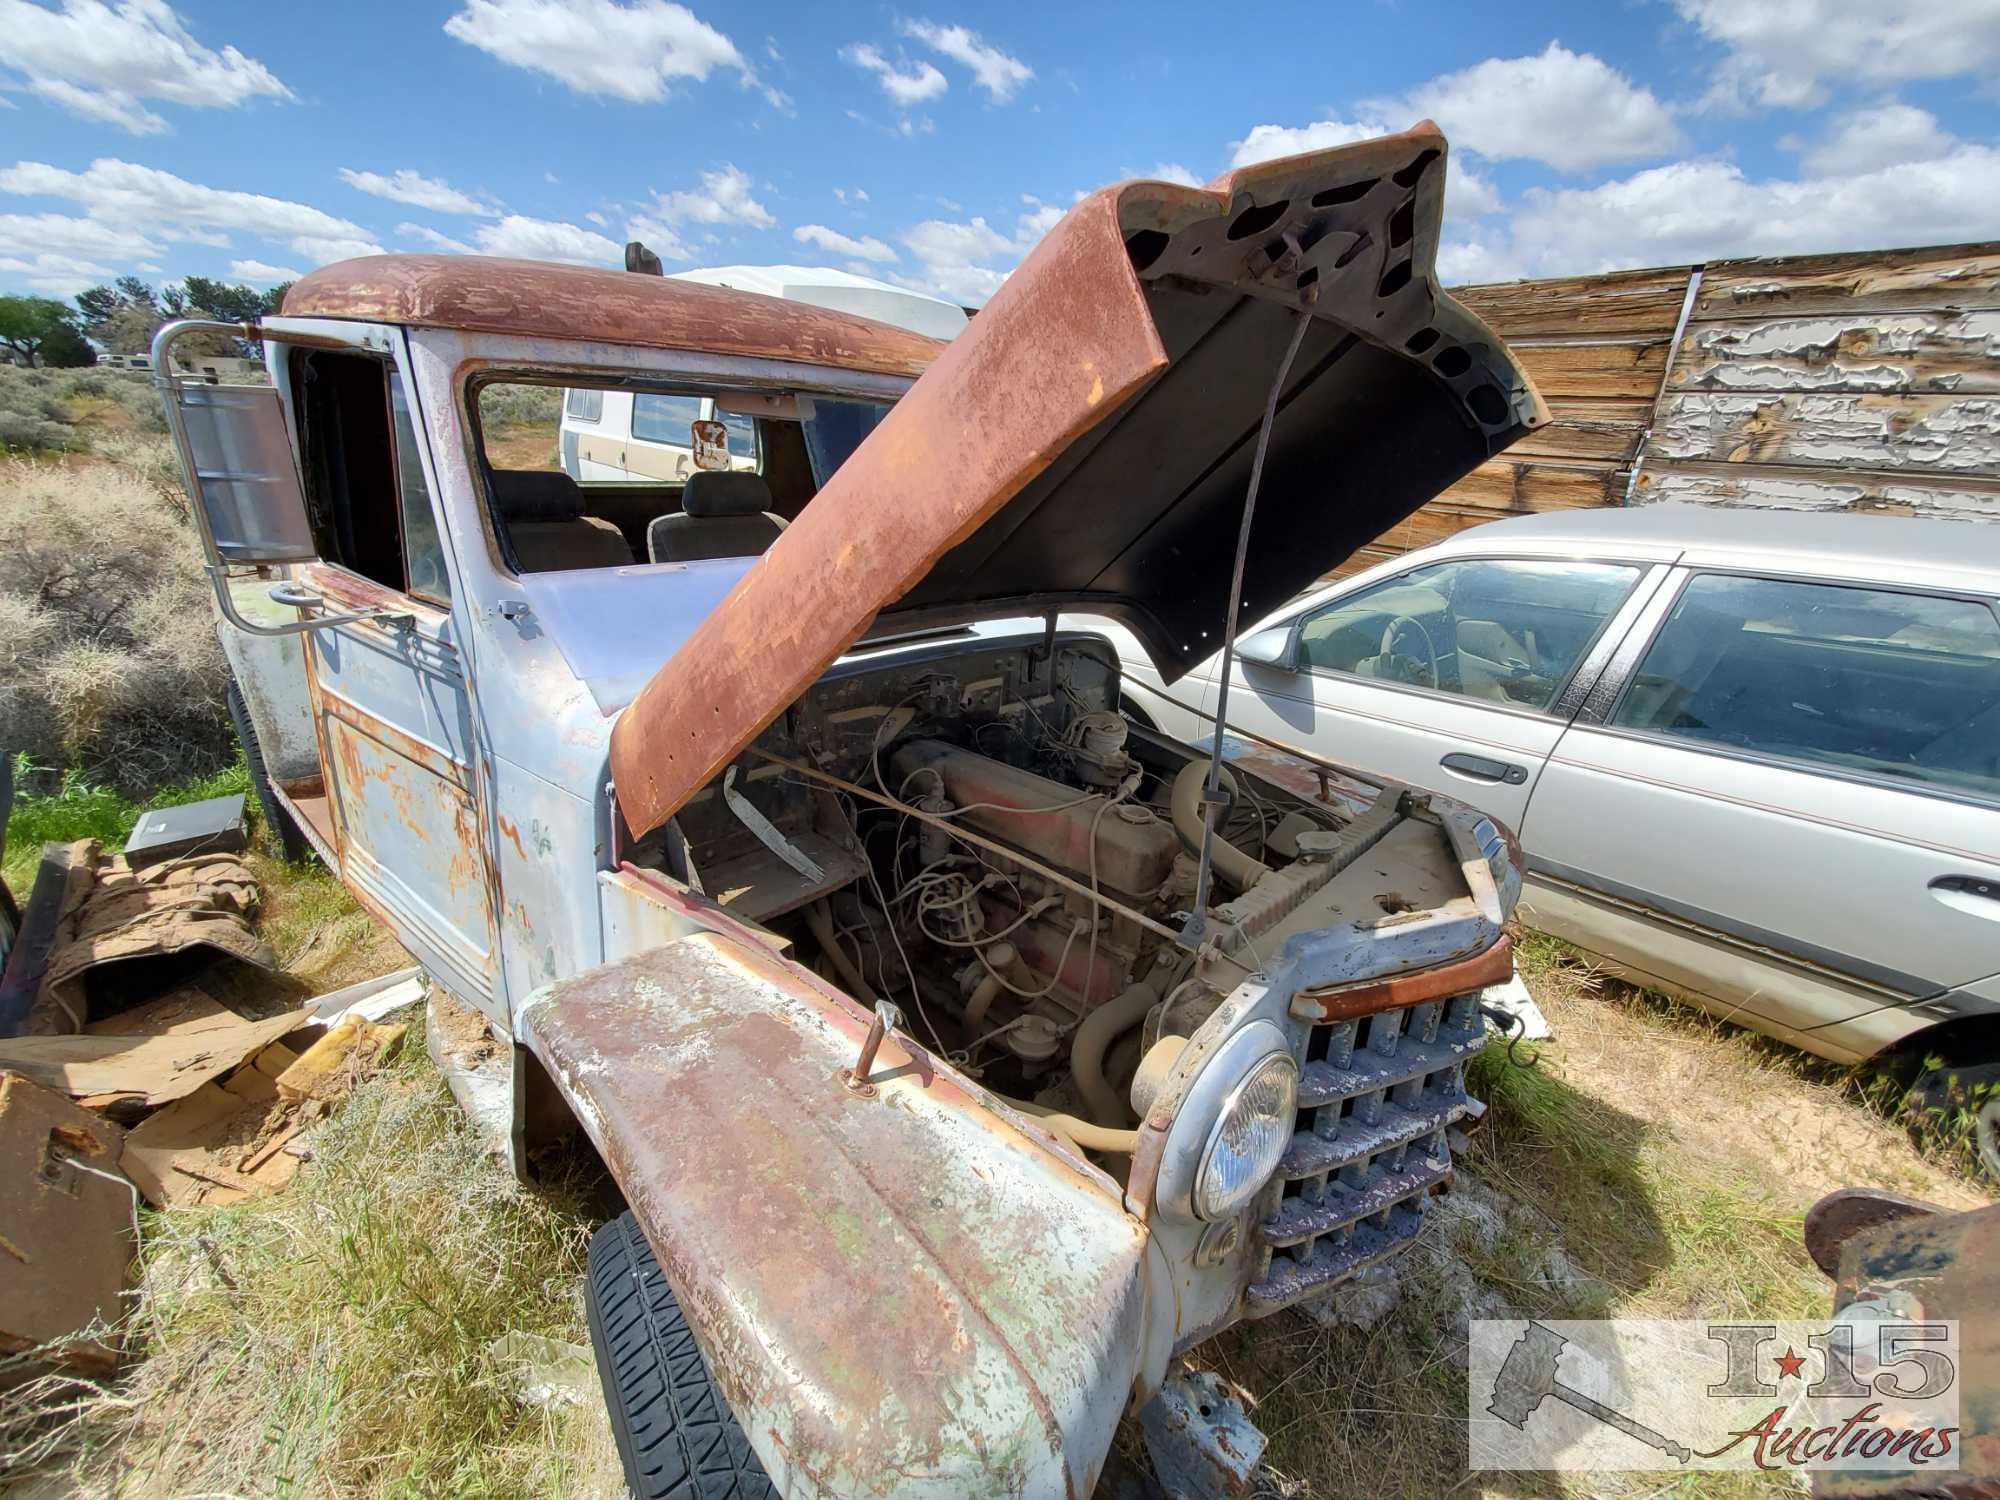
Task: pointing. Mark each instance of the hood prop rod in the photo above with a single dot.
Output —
(1212, 797)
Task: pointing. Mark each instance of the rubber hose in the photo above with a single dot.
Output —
(819, 921)
(1094, 1037)
(1230, 862)
(1080, 1132)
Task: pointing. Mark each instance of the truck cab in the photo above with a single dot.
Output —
(965, 1048)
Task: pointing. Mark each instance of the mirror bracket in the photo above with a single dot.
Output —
(218, 575)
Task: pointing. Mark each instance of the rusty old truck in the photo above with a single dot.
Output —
(965, 1049)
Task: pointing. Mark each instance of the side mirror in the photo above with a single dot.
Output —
(1271, 647)
(236, 461)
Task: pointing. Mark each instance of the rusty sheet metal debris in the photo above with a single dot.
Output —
(914, 1291)
(539, 300)
(1000, 484)
(1936, 1265)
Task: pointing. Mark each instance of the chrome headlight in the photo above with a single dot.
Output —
(1232, 1125)
(1249, 1136)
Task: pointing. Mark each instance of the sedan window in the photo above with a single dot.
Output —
(1503, 631)
(1903, 685)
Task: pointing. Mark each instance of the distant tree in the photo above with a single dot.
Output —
(101, 303)
(29, 324)
(66, 348)
(129, 330)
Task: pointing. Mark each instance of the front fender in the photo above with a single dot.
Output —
(916, 1293)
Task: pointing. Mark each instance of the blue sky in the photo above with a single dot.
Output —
(931, 143)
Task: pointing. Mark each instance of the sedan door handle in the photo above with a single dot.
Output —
(1482, 768)
(1974, 895)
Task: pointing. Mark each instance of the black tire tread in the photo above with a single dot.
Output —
(282, 831)
(676, 1435)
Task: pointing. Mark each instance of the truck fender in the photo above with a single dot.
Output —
(907, 1288)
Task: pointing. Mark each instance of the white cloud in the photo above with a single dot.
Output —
(662, 239)
(921, 82)
(100, 58)
(1266, 142)
(62, 235)
(1779, 56)
(125, 198)
(417, 190)
(632, 51)
(103, 106)
(1173, 171)
(867, 247)
(1710, 209)
(434, 239)
(951, 255)
(992, 70)
(547, 239)
(1568, 109)
(851, 195)
(1468, 194)
(61, 275)
(1886, 136)
(1037, 221)
(594, 217)
(262, 273)
(724, 197)
(323, 250)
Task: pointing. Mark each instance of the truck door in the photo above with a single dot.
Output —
(391, 704)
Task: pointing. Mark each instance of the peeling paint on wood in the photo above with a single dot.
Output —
(1856, 281)
(1936, 351)
(1774, 488)
(1937, 434)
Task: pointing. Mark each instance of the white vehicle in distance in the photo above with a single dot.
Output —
(1753, 756)
(619, 437)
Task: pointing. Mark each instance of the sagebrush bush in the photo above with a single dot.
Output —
(520, 406)
(108, 661)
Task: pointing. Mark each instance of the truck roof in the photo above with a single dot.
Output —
(538, 299)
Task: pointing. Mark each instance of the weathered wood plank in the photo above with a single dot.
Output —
(1628, 368)
(1582, 428)
(1963, 276)
(1514, 487)
(1925, 434)
(1643, 302)
(1944, 352)
(1773, 487)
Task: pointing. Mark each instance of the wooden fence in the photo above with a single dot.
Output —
(1867, 381)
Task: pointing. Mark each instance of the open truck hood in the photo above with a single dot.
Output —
(1086, 442)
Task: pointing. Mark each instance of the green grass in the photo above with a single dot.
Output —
(80, 809)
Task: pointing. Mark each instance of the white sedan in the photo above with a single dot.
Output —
(1753, 757)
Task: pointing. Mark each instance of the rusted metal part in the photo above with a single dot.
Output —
(999, 478)
(918, 1293)
(1924, 1267)
(857, 1078)
(1202, 1443)
(1349, 1002)
(1065, 340)
(1845, 1212)
(537, 300)
(958, 830)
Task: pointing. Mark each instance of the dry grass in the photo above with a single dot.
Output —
(332, 1339)
(108, 662)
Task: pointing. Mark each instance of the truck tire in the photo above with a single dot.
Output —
(281, 831)
(676, 1435)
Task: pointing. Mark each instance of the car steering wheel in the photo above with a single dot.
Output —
(1388, 647)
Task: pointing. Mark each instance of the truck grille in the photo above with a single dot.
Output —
(1375, 1096)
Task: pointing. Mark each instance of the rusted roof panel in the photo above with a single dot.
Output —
(1086, 442)
(488, 294)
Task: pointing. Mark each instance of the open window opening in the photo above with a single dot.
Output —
(612, 475)
(366, 497)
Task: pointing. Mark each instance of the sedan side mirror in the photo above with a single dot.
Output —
(1272, 647)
